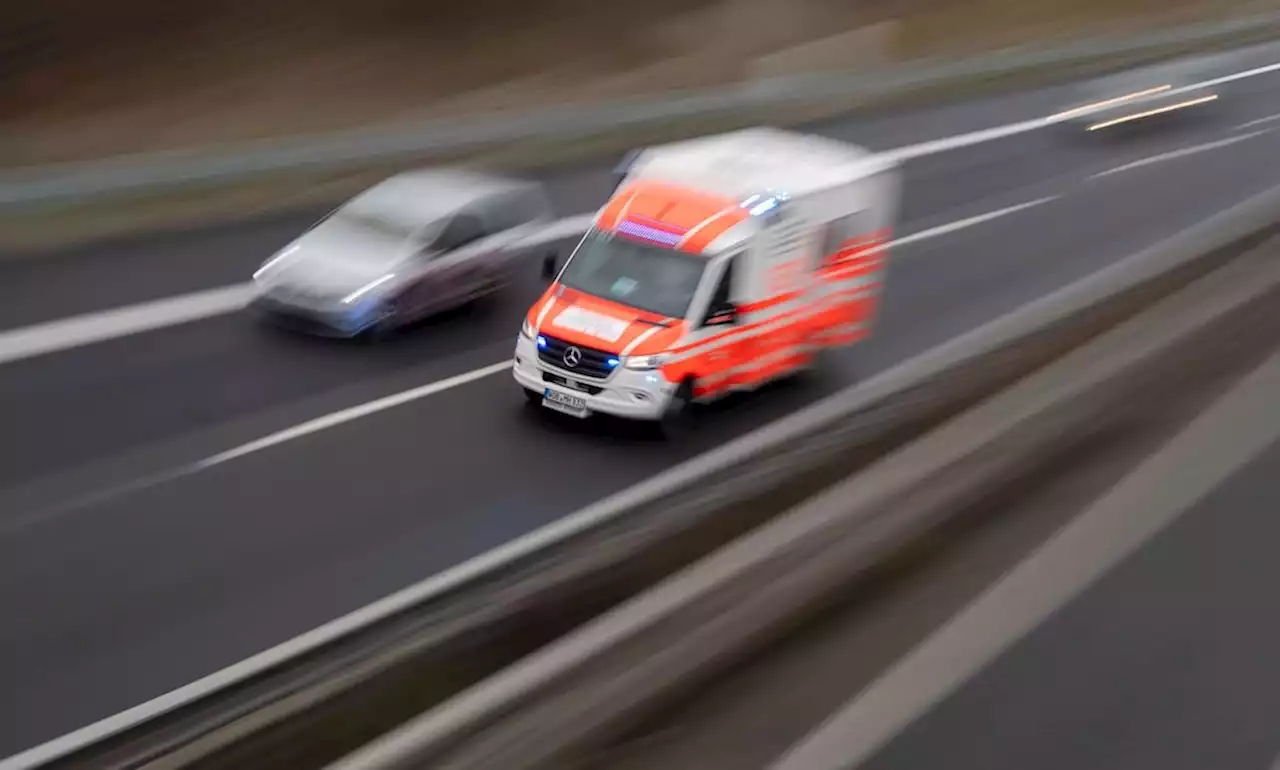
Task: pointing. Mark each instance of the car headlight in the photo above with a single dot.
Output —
(368, 287)
(526, 329)
(645, 363)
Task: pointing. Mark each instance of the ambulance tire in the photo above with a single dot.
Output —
(819, 366)
(532, 397)
(677, 418)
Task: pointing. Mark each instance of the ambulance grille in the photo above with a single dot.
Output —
(594, 363)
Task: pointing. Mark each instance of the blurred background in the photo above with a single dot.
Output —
(85, 78)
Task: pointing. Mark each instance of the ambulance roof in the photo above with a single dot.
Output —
(755, 161)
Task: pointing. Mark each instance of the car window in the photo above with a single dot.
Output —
(460, 231)
(516, 209)
(841, 230)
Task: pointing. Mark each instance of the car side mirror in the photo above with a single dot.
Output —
(623, 168)
(549, 267)
(722, 315)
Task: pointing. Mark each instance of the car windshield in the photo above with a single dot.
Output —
(650, 278)
(372, 222)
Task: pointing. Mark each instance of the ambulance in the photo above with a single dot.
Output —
(718, 264)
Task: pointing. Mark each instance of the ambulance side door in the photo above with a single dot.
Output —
(718, 329)
(782, 283)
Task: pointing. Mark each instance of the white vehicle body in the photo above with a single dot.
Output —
(718, 264)
(416, 244)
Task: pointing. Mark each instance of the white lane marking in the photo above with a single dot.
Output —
(1258, 122)
(1229, 78)
(334, 419)
(109, 324)
(951, 227)
(1180, 153)
(946, 144)
(1239, 427)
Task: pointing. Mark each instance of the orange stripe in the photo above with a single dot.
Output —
(681, 208)
(866, 244)
(846, 269)
(842, 339)
(738, 331)
(715, 226)
(765, 304)
(776, 368)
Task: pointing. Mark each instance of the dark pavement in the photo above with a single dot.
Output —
(118, 598)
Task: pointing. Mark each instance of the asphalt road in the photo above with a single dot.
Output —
(1167, 662)
(120, 585)
(1163, 658)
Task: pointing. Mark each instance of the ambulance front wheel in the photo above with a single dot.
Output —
(677, 417)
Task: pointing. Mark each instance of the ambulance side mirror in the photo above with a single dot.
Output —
(623, 168)
(722, 315)
(549, 267)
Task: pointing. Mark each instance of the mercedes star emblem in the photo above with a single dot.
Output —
(572, 356)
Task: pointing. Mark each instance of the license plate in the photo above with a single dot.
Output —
(563, 402)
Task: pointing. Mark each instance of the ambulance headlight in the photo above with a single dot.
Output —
(645, 363)
(526, 329)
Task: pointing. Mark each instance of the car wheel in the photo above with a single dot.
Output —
(677, 418)
(532, 398)
(491, 290)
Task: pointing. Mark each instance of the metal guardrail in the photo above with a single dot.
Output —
(563, 574)
(63, 183)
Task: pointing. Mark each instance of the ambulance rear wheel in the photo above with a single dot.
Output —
(677, 418)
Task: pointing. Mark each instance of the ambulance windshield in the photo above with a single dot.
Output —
(648, 277)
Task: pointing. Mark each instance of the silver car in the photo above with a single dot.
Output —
(417, 244)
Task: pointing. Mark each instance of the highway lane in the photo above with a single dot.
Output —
(146, 590)
(135, 269)
(159, 386)
(1168, 661)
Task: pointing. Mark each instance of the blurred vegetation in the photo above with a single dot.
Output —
(91, 77)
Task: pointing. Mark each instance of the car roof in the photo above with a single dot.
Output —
(423, 196)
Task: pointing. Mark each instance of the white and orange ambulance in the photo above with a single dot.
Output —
(718, 264)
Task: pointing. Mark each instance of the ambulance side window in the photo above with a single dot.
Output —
(841, 230)
(720, 309)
